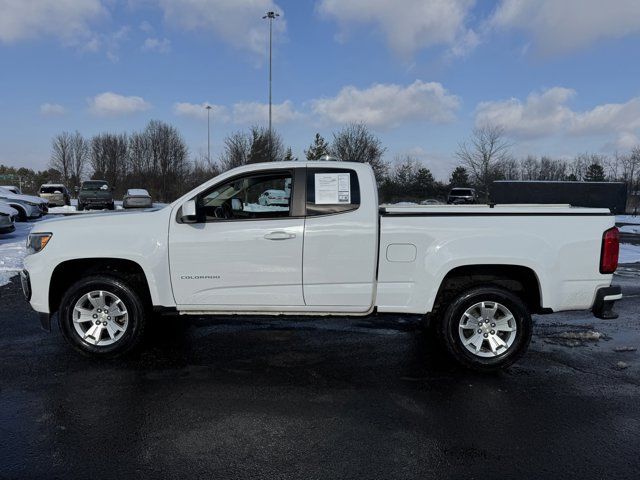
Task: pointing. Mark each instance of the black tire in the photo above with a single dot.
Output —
(112, 206)
(449, 324)
(80, 207)
(22, 214)
(133, 303)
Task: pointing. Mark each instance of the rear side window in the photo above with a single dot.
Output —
(332, 190)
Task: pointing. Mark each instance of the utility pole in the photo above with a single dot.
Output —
(271, 16)
(208, 107)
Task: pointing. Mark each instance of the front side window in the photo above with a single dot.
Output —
(332, 190)
(265, 195)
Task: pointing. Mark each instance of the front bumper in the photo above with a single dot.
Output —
(100, 204)
(7, 229)
(605, 298)
(45, 318)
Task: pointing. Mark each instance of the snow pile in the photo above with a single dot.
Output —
(630, 229)
(12, 251)
(629, 253)
(635, 219)
(589, 335)
(255, 207)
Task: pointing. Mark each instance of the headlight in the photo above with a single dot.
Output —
(37, 241)
(33, 204)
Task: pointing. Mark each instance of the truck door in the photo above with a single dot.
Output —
(340, 238)
(245, 249)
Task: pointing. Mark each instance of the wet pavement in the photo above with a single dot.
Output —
(323, 398)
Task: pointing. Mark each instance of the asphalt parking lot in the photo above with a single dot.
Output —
(233, 398)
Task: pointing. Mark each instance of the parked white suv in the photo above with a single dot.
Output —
(476, 272)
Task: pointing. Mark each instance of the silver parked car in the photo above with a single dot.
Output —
(137, 198)
(27, 206)
(56, 194)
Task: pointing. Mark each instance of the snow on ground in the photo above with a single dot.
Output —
(12, 251)
(628, 219)
(629, 253)
(630, 229)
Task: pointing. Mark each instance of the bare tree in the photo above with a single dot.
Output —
(109, 158)
(483, 154)
(61, 155)
(235, 151)
(355, 143)
(80, 149)
(168, 158)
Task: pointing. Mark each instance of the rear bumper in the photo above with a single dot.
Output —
(605, 298)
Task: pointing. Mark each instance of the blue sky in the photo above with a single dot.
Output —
(561, 77)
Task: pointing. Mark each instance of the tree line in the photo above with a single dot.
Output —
(157, 158)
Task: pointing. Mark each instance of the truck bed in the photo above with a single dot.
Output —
(420, 245)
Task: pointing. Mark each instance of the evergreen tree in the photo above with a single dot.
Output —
(317, 149)
(595, 173)
(288, 156)
(459, 177)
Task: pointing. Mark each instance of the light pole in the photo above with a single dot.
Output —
(271, 16)
(208, 107)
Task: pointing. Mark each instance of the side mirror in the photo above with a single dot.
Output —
(236, 205)
(188, 212)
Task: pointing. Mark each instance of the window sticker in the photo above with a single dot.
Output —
(333, 188)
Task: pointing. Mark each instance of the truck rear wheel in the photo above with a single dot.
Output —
(102, 316)
(486, 328)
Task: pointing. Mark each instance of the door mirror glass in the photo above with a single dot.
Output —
(189, 212)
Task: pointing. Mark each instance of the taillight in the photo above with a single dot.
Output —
(610, 250)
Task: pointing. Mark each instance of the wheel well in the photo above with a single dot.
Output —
(520, 280)
(71, 271)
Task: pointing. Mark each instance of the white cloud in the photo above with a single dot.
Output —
(198, 111)
(559, 26)
(541, 114)
(610, 117)
(389, 105)
(158, 45)
(64, 19)
(408, 25)
(547, 113)
(52, 109)
(113, 104)
(254, 112)
(238, 23)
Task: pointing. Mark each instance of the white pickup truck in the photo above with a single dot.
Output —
(475, 272)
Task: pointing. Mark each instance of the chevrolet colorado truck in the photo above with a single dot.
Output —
(476, 273)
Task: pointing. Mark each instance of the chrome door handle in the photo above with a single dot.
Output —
(280, 235)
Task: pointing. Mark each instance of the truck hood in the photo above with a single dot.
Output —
(118, 234)
(107, 218)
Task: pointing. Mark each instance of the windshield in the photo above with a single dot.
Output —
(466, 192)
(95, 186)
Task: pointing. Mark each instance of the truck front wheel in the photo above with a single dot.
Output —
(102, 316)
(486, 328)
